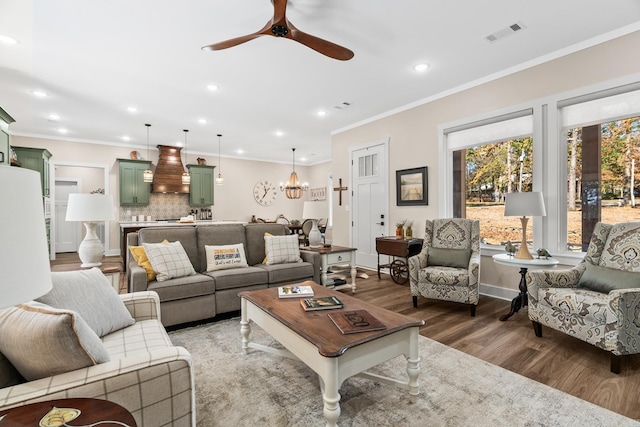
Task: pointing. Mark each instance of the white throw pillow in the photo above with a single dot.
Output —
(90, 294)
(225, 256)
(282, 249)
(42, 341)
(169, 260)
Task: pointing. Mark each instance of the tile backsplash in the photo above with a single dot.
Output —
(161, 206)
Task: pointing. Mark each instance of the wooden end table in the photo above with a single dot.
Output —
(397, 248)
(522, 300)
(89, 412)
(311, 337)
(110, 269)
(336, 255)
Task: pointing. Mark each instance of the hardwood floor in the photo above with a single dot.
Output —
(556, 359)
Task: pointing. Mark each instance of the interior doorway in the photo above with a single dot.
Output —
(67, 237)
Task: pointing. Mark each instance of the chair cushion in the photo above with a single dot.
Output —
(90, 294)
(449, 276)
(622, 247)
(169, 260)
(603, 279)
(282, 249)
(140, 256)
(225, 257)
(42, 341)
(458, 258)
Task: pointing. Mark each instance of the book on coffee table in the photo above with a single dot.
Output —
(294, 291)
(321, 303)
(350, 322)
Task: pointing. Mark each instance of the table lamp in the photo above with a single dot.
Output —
(315, 211)
(524, 204)
(25, 272)
(90, 209)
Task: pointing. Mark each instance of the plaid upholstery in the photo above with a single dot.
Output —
(147, 375)
(169, 260)
(282, 249)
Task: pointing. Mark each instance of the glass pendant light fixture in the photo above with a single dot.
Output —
(147, 175)
(293, 189)
(219, 178)
(186, 178)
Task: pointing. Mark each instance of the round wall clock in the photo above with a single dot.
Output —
(265, 192)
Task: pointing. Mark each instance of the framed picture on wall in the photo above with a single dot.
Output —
(411, 187)
(319, 193)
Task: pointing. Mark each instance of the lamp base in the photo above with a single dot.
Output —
(315, 237)
(91, 249)
(523, 251)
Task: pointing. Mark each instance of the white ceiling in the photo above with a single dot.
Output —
(95, 58)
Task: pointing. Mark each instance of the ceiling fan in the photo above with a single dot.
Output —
(279, 26)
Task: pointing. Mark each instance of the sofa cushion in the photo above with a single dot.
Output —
(217, 235)
(90, 294)
(282, 249)
(291, 272)
(185, 234)
(169, 260)
(255, 240)
(231, 279)
(140, 256)
(603, 279)
(458, 258)
(225, 257)
(42, 341)
(183, 287)
(622, 247)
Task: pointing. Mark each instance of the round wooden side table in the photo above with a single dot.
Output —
(79, 411)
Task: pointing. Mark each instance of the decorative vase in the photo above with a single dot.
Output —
(399, 232)
(409, 232)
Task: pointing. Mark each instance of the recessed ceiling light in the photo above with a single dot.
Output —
(62, 130)
(132, 109)
(240, 151)
(421, 67)
(39, 93)
(321, 113)
(8, 40)
(126, 138)
(279, 133)
(213, 88)
(202, 121)
(53, 117)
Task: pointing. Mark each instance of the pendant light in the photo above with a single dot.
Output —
(186, 178)
(293, 189)
(219, 178)
(147, 175)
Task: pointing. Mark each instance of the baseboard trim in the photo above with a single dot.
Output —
(498, 292)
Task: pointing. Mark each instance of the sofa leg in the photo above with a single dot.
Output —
(537, 328)
(615, 363)
(415, 302)
(473, 310)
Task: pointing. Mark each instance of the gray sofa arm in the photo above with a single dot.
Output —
(315, 259)
(137, 278)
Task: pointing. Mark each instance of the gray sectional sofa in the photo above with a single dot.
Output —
(210, 293)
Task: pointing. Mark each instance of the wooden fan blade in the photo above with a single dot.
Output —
(232, 42)
(322, 46)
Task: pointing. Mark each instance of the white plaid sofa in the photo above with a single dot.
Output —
(564, 299)
(147, 374)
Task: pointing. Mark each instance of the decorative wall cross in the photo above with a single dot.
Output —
(340, 189)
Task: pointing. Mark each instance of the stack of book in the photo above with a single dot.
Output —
(321, 303)
(294, 291)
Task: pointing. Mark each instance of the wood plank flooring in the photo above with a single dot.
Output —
(556, 359)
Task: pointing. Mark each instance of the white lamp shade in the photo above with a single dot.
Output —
(90, 207)
(25, 273)
(524, 204)
(315, 210)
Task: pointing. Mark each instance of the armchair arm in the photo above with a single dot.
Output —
(142, 305)
(474, 278)
(137, 277)
(313, 258)
(119, 382)
(626, 304)
(567, 278)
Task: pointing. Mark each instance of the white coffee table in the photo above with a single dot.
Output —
(312, 338)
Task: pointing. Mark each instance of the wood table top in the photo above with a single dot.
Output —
(317, 328)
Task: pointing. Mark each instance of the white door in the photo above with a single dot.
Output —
(370, 207)
(67, 233)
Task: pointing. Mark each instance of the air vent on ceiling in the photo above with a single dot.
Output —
(504, 32)
(342, 106)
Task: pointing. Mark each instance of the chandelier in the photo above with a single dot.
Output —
(293, 189)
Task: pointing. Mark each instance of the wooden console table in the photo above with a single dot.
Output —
(397, 248)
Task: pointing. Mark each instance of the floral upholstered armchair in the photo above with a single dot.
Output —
(448, 267)
(598, 300)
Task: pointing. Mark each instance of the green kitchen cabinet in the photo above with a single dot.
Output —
(133, 190)
(36, 159)
(201, 188)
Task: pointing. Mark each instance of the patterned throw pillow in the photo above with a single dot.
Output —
(140, 256)
(42, 341)
(224, 257)
(169, 260)
(282, 249)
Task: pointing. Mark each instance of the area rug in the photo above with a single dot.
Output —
(261, 389)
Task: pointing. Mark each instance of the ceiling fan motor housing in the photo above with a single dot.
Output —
(279, 30)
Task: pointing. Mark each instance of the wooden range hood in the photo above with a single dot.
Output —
(167, 177)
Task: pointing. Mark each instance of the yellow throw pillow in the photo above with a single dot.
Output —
(264, 261)
(140, 256)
